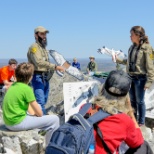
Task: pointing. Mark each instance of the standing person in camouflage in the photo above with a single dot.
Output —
(140, 68)
(38, 56)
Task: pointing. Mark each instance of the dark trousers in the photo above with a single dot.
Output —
(1, 94)
(137, 97)
(1, 85)
(41, 89)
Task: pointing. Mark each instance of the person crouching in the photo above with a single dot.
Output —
(121, 126)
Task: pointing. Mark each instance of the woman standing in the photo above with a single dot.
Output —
(140, 68)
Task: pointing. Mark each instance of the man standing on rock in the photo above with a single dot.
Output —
(38, 56)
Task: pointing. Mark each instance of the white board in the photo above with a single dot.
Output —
(76, 94)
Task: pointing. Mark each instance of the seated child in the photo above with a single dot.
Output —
(7, 74)
(18, 98)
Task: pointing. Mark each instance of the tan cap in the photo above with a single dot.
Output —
(91, 57)
(40, 29)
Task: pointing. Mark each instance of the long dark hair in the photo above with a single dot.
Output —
(138, 30)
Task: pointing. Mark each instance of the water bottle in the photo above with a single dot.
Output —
(91, 149)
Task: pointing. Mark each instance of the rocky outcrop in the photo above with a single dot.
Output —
(56, 88)
(24, 142)
(148, 135)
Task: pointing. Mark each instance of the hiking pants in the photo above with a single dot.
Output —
(48, 123)
(137, 93)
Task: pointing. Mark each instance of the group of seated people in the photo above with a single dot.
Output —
(91, 67)
(22, 112)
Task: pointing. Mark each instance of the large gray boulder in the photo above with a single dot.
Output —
(56, 88)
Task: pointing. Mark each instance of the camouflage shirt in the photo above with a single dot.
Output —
(92, 66)
(38, 56)
(144, 63)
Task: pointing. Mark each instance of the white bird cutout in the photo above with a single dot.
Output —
(60, 60)
(112, 53)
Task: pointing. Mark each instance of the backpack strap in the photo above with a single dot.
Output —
(98, 116)
(92, 119)
(84, 123)
(101, 136)
(85, 109)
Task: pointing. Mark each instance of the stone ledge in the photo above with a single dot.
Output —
(23, 142)
(5, 132)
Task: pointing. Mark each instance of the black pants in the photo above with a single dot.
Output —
(143, 149)
(1, 86)
(1, 94)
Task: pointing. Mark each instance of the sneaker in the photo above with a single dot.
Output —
(42, 132)
(140, 125)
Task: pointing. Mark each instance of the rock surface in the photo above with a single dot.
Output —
(23, 142)
(30, 142)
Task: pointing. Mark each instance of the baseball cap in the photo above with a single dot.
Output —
(120, 80)
(40, 29)
(91, 57)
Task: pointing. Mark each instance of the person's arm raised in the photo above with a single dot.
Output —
(119, 61)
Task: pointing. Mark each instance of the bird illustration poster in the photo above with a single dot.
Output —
(76, 94)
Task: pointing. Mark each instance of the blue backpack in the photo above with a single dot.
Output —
(76, 135)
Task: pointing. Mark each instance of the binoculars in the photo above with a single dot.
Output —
(132, 67)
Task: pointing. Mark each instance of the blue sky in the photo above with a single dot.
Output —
(77, 28)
